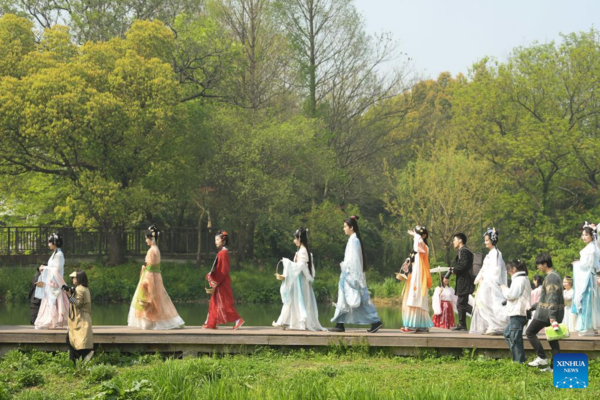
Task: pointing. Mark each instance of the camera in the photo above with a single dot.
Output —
(69, 289)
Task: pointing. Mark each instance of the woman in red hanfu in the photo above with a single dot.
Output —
(222, 305)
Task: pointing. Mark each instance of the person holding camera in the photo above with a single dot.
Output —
(517, 306)
(80, 336)
(463, 269)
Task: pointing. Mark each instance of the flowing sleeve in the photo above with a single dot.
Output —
(482, 272)
(503, 271)
(58, 271)
(436, 302)
(291, 271)
(419, 245)
(353, 264)
(584, 271)
(303, 258)
(494, 273)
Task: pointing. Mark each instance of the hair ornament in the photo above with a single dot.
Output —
(492, 233)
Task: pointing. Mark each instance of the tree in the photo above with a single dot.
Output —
(102, 119)
(94, 20)
(534, 117)
(263, 175)
(343, 76)
(448, 191)
(262, 76)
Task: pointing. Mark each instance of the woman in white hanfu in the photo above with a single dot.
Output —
(54, 308)
(489, 316)
(354, 304)
(299, 310)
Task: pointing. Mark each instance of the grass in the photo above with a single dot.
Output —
(339, 372)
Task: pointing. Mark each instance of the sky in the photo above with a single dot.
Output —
(450, 35)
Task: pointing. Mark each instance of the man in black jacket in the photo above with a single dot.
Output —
(463, 269)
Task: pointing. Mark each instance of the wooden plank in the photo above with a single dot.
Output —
(267, 336)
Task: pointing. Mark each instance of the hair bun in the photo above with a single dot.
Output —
(356, 217)
(153, 231)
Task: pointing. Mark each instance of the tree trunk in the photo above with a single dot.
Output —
(116, 246)
(199, 252)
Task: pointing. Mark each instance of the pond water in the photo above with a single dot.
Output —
(195, 314)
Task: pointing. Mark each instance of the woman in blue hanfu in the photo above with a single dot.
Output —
(586, 296)
(354, 305)
(299, 310)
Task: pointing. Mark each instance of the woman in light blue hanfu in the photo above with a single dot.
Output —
(354, 305)
(586, 296)
(299, 310)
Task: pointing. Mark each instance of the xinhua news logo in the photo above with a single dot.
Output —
(571, 371)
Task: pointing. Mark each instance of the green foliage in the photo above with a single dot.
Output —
(185, 283)
(28, 378)
(221, 109)
(438, 190)
(389, 289)
(101, 372)
(341, 371)
(16, 41)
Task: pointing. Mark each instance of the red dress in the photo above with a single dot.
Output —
(222, 305)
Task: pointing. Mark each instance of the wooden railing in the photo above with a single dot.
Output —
(27, 240)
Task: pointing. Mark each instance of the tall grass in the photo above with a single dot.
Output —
(352, 372)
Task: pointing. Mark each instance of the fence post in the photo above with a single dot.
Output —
(8, 243)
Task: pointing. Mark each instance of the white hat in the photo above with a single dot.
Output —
(73, 275)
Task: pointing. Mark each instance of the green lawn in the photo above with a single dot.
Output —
(337, 373)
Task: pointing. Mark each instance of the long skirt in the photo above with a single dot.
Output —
(446, 318)
(221, 309)
(415, 317)
(151, 307)
(587, 317)
(53, 311)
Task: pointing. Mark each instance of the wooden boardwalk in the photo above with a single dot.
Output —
(194, 340)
